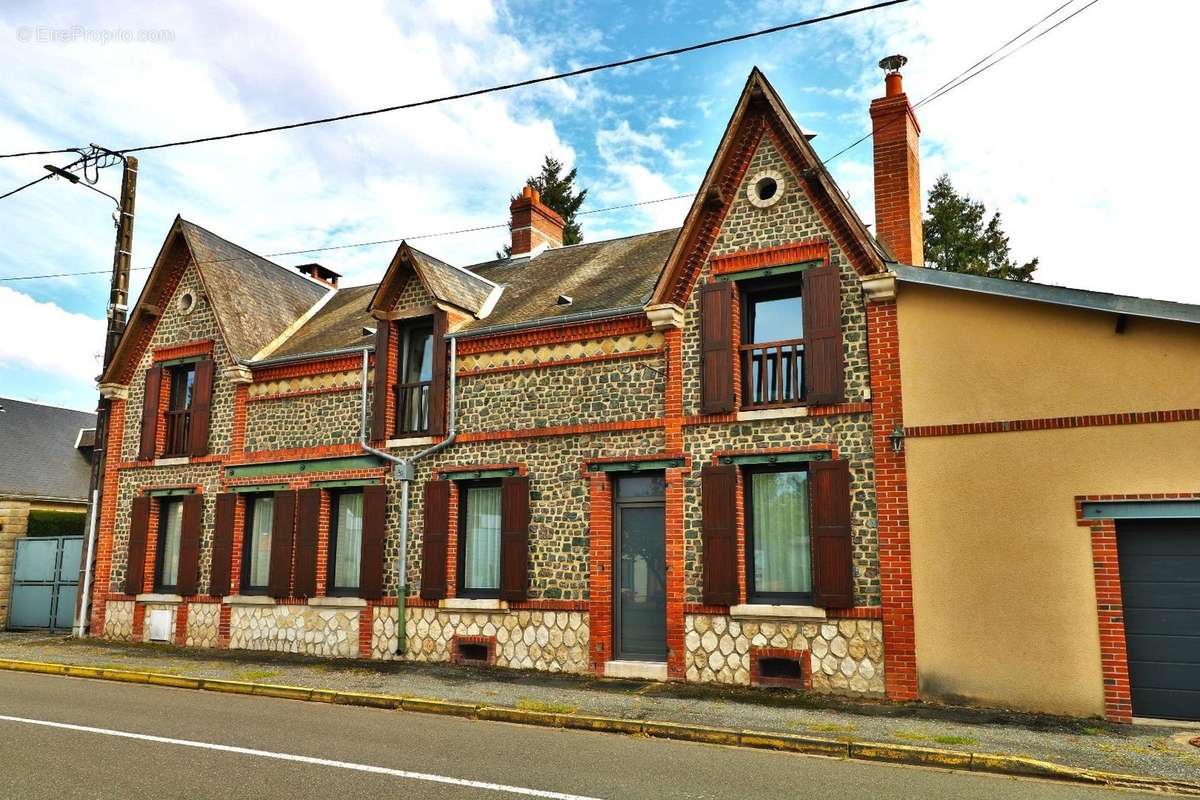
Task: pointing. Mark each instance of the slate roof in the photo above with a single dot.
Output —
(461, 287)
(254, 299)
(38, 457)
(336, 326)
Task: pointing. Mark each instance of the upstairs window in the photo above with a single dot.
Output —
(415, 379)
(170, 533)
(772, 347)
(179, 409)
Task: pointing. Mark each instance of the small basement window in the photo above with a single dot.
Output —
(778, 671)
(471, 653)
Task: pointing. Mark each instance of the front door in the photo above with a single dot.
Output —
(640, 569)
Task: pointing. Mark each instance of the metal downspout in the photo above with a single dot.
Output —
(85, 607)
(405, 473)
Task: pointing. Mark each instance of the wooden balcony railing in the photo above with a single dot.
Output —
(412, 408)
(179, 426)
(772, 374)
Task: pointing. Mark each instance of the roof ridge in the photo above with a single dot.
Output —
(46, 405)
(578, 244)
(289, 271)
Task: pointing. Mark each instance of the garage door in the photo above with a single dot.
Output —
(1160, 586)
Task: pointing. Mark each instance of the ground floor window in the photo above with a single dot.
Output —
(779, 560)
(170, 529)
(256, 558)
(479, 540)
(345, 542)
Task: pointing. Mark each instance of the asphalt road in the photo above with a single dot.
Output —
(66, 738)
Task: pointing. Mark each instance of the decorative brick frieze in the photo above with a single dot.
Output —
(779, 255)
(553, 334)
(561, 353)
(1055, 423)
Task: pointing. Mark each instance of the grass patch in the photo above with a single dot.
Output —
(1087, 730)
(549, 708)
(914, 736)
(831, 727)
(949, 739)
(252, 675)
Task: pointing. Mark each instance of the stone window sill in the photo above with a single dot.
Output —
(160, 598)
(338, 602)
(412, 441)
(473, 603)
(758, 611)
(773, 413)
(639, 670)
(249, 600)
(174, 461)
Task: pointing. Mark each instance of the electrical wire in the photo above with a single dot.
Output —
(502, 87)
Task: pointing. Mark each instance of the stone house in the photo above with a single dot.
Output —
(668, 455)
(45, 467)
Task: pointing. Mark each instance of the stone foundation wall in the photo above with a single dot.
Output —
(843, 655)
(554, 641)
(118, 620)
(303, 629)
(203, 622)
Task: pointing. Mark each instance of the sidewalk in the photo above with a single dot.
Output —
(1139, 750)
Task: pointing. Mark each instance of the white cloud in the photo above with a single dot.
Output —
(667, 122)
(44, 338)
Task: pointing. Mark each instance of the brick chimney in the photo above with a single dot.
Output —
(319, 273)
(897, 140)
(535, 226)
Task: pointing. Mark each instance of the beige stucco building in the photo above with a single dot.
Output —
(1052, 441)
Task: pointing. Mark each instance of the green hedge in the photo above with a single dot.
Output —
(56, 523)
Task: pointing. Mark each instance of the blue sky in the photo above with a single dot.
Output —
(1065, 139)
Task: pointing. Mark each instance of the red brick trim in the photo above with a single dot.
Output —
(102, 584)
(687, 460)
(555, 333)
(303, 369)
(261, 398)
(891, 499)
(181, 624)
(566, 362)
(237, 435)
(197, 347)
(676, 650)
(813, 411)
(600, 522)
(447, 470)
(1056, 423)
(562, 430)
(1110, 607)
(524, 605)
(365, 630)
(780, 255)
(223, 624)
(297, 454)
(487, 641)
(858, 612)
(801, 656)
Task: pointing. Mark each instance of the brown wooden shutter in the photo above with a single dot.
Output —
(437, 385)
(154, 377)
(374, 535)
(201, 402)
(139, 528)
(514, 538)
(824, 360)
(718, 487)
(222, 546)
(435, 539)
(716, 348)
(383, 390)
(308, 517)
(279, 581)
(832, 552)
(191, 528)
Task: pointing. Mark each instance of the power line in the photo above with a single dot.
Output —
(502, 87)
(350, 245)
(26, 186)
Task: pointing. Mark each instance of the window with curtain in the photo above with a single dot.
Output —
(260, 518)
(170, 527)
(479, 560)
(346, 542)
(780, 560)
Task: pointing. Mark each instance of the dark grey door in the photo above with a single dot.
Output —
(641, 570)
(45, 580)
(1160, 589)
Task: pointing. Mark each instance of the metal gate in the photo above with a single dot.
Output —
(45, 581)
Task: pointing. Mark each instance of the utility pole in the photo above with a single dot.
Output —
(118, 315)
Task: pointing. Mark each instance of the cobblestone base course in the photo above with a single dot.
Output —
(295, 629)
(554, 641)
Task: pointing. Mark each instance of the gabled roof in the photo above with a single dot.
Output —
(38, 453)
(1055, 295)
(253, 300)
(338, 325)
(446, 282)
(716, 193)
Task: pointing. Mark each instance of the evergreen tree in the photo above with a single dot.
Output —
(559, 193)
(957, 240)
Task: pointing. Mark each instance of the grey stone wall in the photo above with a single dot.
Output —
(312, 420)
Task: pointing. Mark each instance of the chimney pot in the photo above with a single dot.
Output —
(320, 273)
(896, 136)
(534, 225)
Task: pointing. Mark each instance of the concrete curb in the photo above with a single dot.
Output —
(808, 745)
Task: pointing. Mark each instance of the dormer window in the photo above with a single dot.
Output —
(415, 378)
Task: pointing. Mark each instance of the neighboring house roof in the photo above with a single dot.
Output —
(1055, 295)
(38, 456)
(338, 325)
(596, 276)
